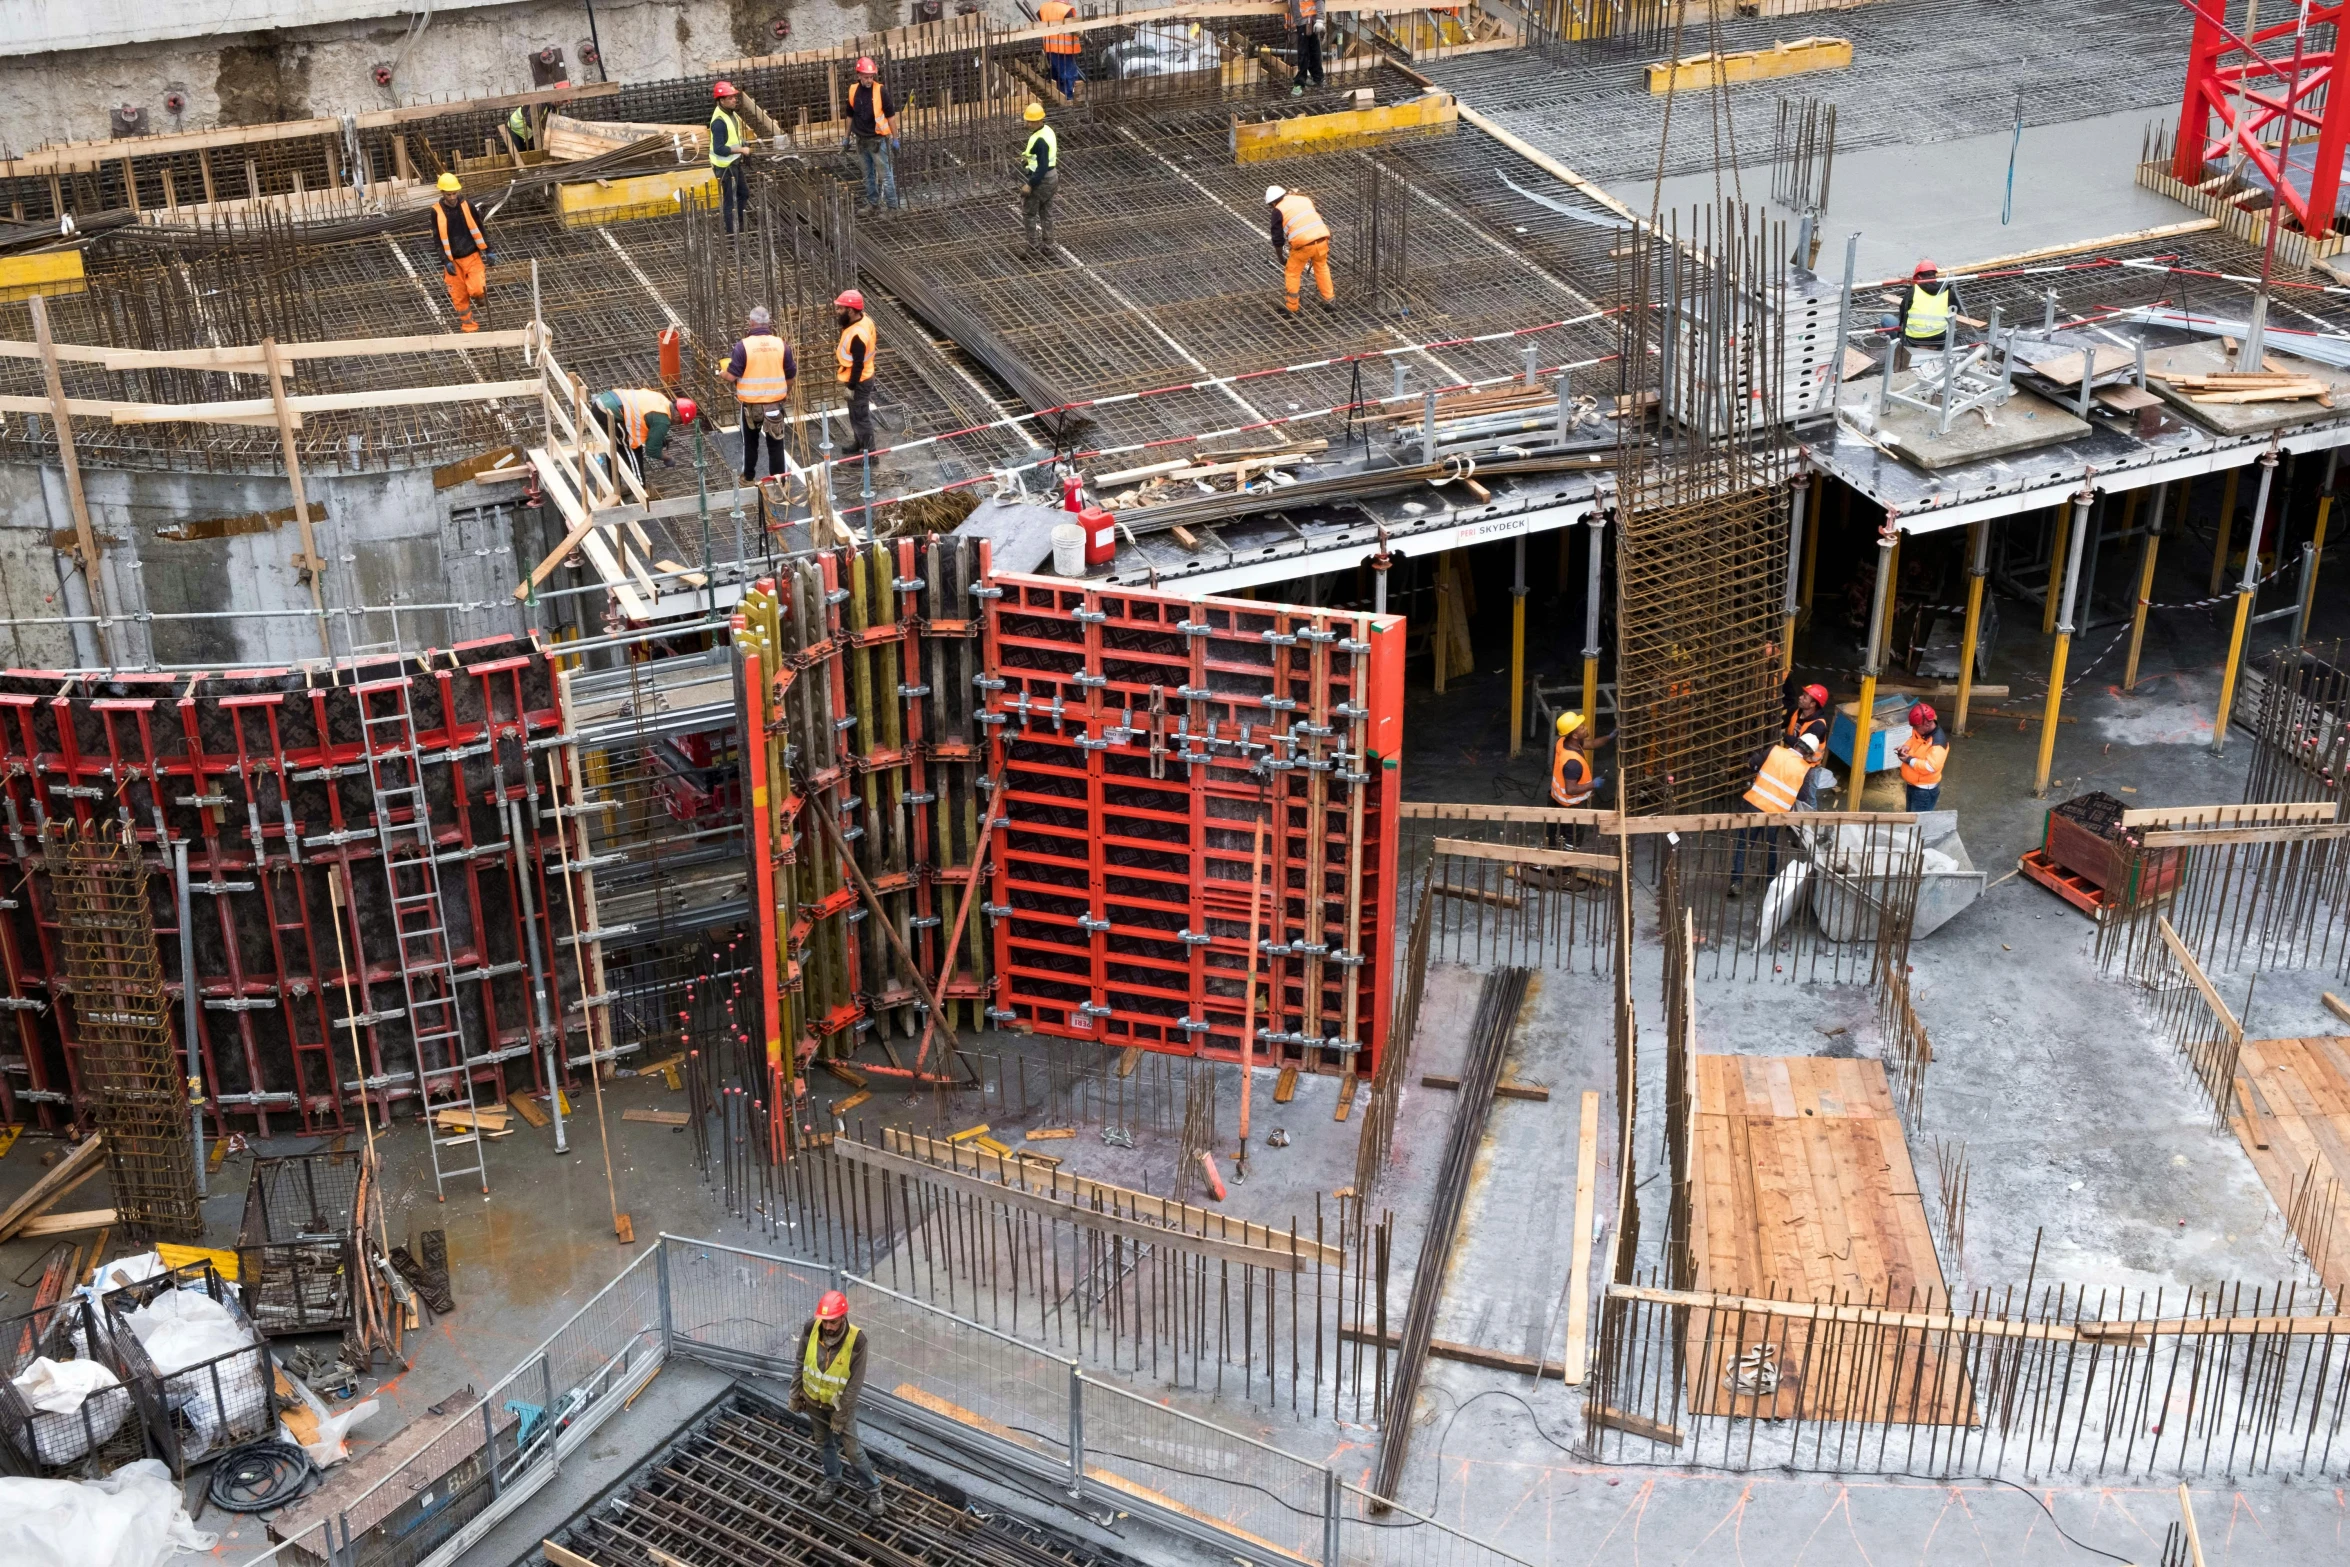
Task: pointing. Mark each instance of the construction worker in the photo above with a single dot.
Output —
(1782, 782)
(1808, 713)
(762, 369)
(1061, 50)
(1300, 240)
(728, 143)
(1923, 755)
(1571, 778)
(1305, 29)
(639, 422)
(855, 355)
(828, 1382)
(873, 122)
(465, 251)
(518, 126)
(1040, 163)
(1926, 307)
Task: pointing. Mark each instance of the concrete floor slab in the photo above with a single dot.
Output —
(2025, 421)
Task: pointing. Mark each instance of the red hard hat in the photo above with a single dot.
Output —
(1817, 693)
(687, 408)
(1921, 717)
(832, 1307)
(866, 67)
(722, 90)
(1925, 265)
(851, 299)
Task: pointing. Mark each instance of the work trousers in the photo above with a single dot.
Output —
(836, 1439)
(734, 190)
(617, 428)
(881, 175)
(1065, 73)
(1747, 835)
(1922, 799)
(860, 420)
(1317, 256)
(1036, 207)
(755, 425)
(1309, 57)
(468, 280)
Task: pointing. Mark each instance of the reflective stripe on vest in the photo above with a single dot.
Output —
(1059, 11)
(440, 219)
(1300, 223)
(634, 406)
(1780, 781)
(763, 380)
(1052, 144)
(824, 1383)
(882, 125)
(861, 330)
(1929, 314)
(1568, 785)
(1921, 767)
(732, 125)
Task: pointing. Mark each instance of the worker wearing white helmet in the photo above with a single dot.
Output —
(1300, 240)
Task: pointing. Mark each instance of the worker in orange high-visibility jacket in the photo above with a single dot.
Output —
(1923, 756)
(1783, 782)
(873, 126)
(1061, 49)
(1305, 33)
(465, 251)
(1301, 240)
(639, 421)
(762, 368)
(854, 355)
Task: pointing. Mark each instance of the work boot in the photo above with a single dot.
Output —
(876, 1505)
(1297, 92)
(1329, 307)
(1732, 891)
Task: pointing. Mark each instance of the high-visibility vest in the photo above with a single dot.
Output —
(1305, 11)
(1929, 314)
(1300, 223)
(1921, 760)
(1059, 43)
(1570, 774)
(634, 406)
(519, 123)
(728, 128)
(440, 221)
(882, 124)
(1052, 144)
(763, 380)
(824, 1381)
(1780, 781)
(860, 330)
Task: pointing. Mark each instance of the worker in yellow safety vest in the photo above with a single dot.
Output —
(1301, 240)
(465, 251)
(1061, 50)
(1040, 175)
(1923, 755)
(728, 143)
(1783, 782)
(1927, 307)
(762, 369)
(828, 1381)
(854, 356)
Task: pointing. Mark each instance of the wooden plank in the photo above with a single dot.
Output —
(243, 409)
(2228, 815)
(658, 1117)
(1505, 1089)
(1872, 1316)
(564, 1556)
(81, 1163)
(1577, 1352)
(1285, 1086)
(2291, 832)
(2336, 1005)
(1516, 854)
(1466, 1354)
(527, 1108)
(66, 1223)
(2195, 975)
(1636, 1425)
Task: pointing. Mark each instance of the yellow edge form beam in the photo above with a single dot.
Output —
(636, 196)
(1310, 133)
(1700, 71)
(44, 272)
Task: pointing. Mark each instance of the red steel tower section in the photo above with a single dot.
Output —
(2269, 100)
(1140, 740)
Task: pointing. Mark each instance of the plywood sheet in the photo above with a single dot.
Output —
(2298, 1135)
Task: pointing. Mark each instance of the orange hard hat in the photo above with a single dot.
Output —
(832, 1307)
(851, 299)
(722, 90)
(866, 67)
(687, 408)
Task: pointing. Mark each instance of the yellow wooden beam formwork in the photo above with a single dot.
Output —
(43, 272)
(590, 203)
(1432, 113)
(1700, 71)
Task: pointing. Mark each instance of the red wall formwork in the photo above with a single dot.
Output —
(1141, 737)
(264, 774)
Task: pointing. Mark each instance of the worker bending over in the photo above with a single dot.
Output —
(727, 146)
(465, 251)
(873, 123)
(1923, 755)
(826, 1387)
(518, 126)
(1061, 49)
(1305, 31)
(762, 369)
(1040, 163)
(855, 355)
(1300, 240)
(1785, 781)
(639, 422)
(1926, 307)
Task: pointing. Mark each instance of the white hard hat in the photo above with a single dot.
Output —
(1273, 193)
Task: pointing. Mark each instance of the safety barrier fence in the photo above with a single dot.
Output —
(928, 1370)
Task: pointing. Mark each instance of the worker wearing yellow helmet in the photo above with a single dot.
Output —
(1040, 172)
(1571, 777)
(465, 250)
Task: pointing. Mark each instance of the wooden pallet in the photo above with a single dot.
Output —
(2075, 889)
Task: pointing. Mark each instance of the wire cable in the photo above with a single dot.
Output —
(261, 1477)
(2043, 1506)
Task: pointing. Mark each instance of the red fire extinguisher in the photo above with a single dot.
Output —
(1072, 492)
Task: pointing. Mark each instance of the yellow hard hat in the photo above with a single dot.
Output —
(1570, 722)
(450, 182)
(1033, 113)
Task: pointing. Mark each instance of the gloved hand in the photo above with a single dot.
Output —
(848, 143)
(489, 258)
(449, 269)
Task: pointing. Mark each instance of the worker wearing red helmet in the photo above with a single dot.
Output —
(828, 1381)
(639, 422)
(873, 125)
(728, 143)
(1927, 306)
(1922, 757)
(854, 355)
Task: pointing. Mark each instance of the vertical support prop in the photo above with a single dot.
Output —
(1518, 650)
(2064, 640)
(2247, 589)
(1591, 621)
(2227, 531)
(1794, 571)
(1863, 718)
(2317, 545)
(1978, 567)
(2147, 553)
(60, 414)
(188, 1004)
(2056, 559)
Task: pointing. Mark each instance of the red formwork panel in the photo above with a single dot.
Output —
(1138, 740)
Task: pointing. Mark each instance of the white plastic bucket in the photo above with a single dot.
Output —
(1069, 550)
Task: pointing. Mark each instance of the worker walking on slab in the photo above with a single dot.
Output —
(728, 143)
(873, 124)
(1061, 50)
(1927, 306)
(855, 355)
(639, 422)
(1040, 163)
(465, 251)
(762, 369)
(1922, 757)
(1305, 30)
(829, 1382)
(1783, 782)
(1572, 781)
(1300, 240)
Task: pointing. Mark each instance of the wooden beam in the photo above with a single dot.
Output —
(318, 403)
(76, 1167)
(1636, 1425)
(2229, 815)
(1546, 163)
(66, 1223)
(1515, 854)
(2336, 1005)
(85, 537)
(1466, 1354)
(1502, 1090)
(308, 563)
(1577, 1353)
(2282, 832)
(248, 359)
(2196, 976)
(1865, 1316)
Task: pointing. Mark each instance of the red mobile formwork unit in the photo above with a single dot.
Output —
(2283, 89)
(1139, 738)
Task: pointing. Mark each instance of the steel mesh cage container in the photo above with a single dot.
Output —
(94, 1439)
(296, 1246)
(195, 1410)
